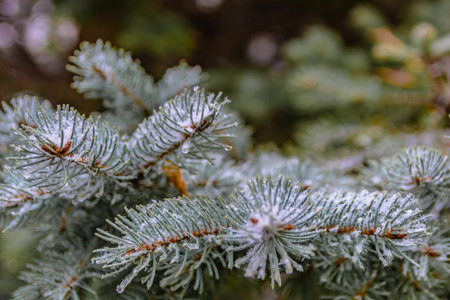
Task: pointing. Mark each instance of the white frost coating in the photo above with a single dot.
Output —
(347, 238)
(262, 225)
(190, 117)
(165, 232)
(60, 152)
(270, 212)
(359, 248)
(20, 111)
(355, 233)
(419, 170)
(109, 73)
(383, 220)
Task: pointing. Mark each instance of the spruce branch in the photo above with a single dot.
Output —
(353, 221)
(56, 277)
(271, 219)
(71, 172)
(187, 126)
(17, 114)
(408, 286)
(176, 80)
(433, 255)
(20, 204)
(105, 72)
(66, 145)
(362, 284)
(218, 179)
(173, 231)
(180, 274)
(419, 170)
(312, 175)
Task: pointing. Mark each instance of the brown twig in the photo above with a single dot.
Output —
(122, 88)
(149, 248)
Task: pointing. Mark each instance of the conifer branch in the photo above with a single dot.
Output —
(18, 201)
(57, 276)
(105, 72)
(176, 231)
(419, 170)
(220, 178)
(187, 126)
(71, 172)
(17, 114)
(270, 219)
(361, 284)
(433, 255)
(194, 270)
(66, 145)
(176, 80)
(353, 220)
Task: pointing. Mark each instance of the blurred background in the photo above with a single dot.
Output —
(349, 80)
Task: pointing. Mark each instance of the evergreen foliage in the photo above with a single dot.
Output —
(161, 200)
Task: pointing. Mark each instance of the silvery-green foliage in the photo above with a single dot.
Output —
(355, 221)
(105, 72)
(185, 127)
(379, 283)
(219, 178)
(176, 230)
(207, 262)
(176, 80)
(19, 204)
(271, 220)
(406, 285)
(241, 137)
(432, 254)
(14, 191)
(71, 172)
(419, 170)
(317, 87)
(55, 276)
(65, 145)
(335, 269)
(361, 284)
(312, 175)
(267, 224)
(17, 113)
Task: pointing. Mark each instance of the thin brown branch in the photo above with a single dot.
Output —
(389, 234)
(122, 88)
(367, 287)
(149, 248)
(63, 154)
(195, 128)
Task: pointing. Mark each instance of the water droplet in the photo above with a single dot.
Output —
(185, 146)
(27, 174)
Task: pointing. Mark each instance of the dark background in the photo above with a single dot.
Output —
(160, 33)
